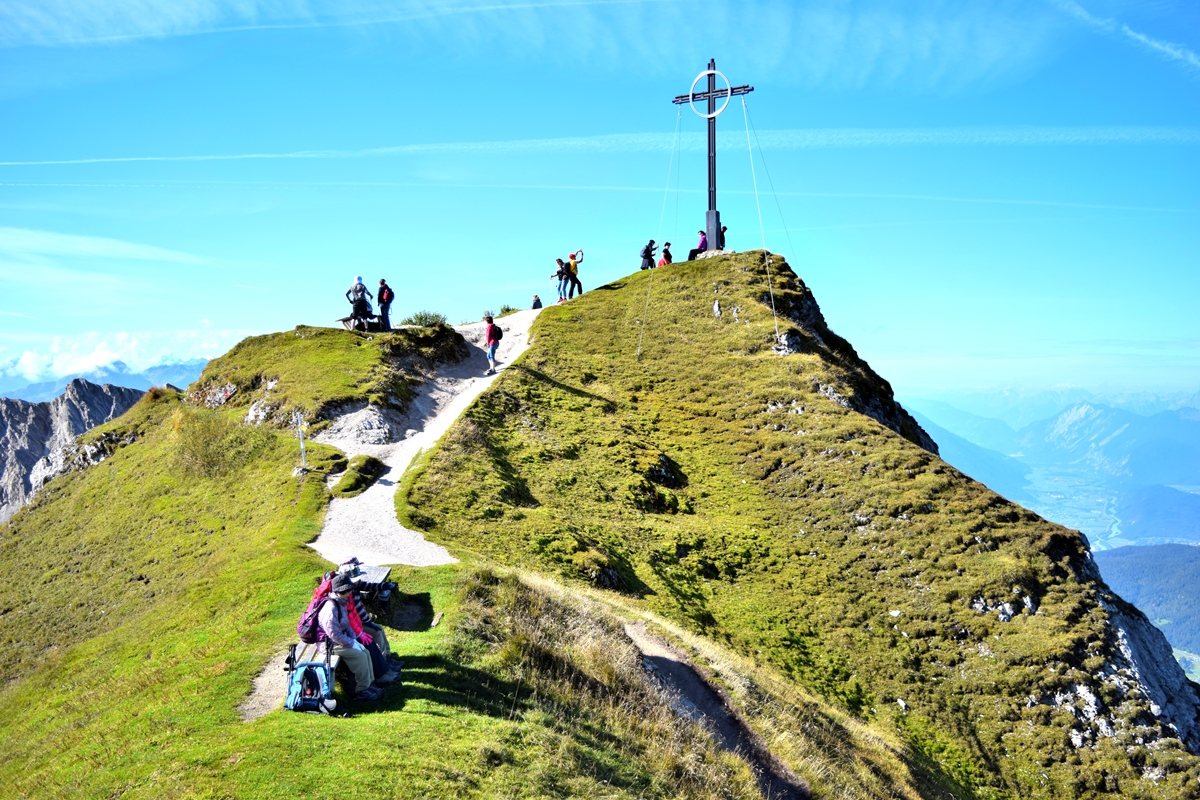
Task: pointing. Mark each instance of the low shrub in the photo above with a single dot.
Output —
(362, 472)
(424, 319)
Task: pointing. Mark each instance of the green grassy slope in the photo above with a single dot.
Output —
(736, 491)
(140, 597)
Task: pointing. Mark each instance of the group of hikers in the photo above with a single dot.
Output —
(567, 276)
(667, 259)
(338, 618)
(361, 316)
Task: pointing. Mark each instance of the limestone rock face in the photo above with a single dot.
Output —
(39, 432)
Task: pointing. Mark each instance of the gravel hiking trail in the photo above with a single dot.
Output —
(366, 526)
(706, 704)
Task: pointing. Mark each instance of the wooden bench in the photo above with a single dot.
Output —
(316, 652)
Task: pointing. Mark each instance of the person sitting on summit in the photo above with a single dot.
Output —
(334, 623)
(700, 248)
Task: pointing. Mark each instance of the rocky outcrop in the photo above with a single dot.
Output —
(864, 390)
(36, 439)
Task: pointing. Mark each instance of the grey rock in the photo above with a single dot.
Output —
(37, 439)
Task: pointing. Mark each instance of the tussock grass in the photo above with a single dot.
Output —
(575, 667)
(363, 470)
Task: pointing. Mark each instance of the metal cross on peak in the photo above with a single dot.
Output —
(713, 217)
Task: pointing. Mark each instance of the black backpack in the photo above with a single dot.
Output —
(386, 294)
(499, 331)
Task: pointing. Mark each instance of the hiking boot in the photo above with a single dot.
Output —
(371, 693)
(388, 678)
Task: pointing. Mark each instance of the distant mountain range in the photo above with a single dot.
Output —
(1120, 476)
(117, 373)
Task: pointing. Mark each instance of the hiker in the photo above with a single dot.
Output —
(386, 296)
(334, 622)
(561, 275)
(648, 255)
(573, 262)
(700, 248)
(537, 302)
(360, 312)
(492, 337)
(667, 259)
(721, 238)
(383, 661)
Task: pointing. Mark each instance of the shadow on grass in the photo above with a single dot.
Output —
(412, 612)
(439, 680)
(609, 405)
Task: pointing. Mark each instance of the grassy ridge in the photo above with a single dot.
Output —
(143, 595)
(734, 491)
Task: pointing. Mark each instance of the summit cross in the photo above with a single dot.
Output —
(713, 217)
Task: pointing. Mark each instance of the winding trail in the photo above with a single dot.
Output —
(366, 526)
(703, 702)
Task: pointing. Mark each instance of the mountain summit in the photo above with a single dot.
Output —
(769, 492)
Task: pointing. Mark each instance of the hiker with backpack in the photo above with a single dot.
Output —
(333, 621)
(386, 296)
(573, 262)
(357, 294)
(386, 664)
(648, 255)
(492, 336)
(561, 276)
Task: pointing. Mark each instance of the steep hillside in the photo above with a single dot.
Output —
(771, 495)
(36, 432)
(140, 597)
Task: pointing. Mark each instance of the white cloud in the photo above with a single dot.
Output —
(935, 44)
(1170, 50)
(694, 142)
(21, 241)
(57, 356)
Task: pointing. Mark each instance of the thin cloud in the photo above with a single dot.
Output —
(69, 24)
(1007, 136)
(820, 42)
(1170, 50)
(561, 187)
(21, 241)
(20, 316)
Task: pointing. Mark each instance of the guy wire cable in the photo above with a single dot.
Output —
(771, 183)
(661, 216)
(762, 231)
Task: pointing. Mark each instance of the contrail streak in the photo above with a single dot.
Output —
(1015, 136)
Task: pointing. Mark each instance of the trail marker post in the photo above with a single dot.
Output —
(713, 218)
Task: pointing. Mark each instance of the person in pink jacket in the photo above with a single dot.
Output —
(492, 338)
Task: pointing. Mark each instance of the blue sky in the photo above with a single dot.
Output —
(983, 194)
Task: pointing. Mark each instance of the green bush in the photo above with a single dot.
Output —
(506, 309)
(362, 472)
(212, 445)
(424, 319)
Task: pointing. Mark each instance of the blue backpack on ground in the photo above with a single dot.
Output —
(310, 685)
